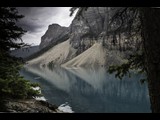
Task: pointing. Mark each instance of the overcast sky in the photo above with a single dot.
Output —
(37, 20)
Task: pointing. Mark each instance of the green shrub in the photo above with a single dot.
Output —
(12, 85)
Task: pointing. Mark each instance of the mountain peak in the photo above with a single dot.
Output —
(54, 32)
(54, 25)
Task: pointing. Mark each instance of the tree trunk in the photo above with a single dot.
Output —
(151, 37)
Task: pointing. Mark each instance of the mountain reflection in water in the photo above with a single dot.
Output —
(90, 90)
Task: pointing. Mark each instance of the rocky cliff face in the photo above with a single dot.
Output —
(89, 26)
(92, 26)
(84, 32)
(53, 34)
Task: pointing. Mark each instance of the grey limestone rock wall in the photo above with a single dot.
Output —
(53, 34)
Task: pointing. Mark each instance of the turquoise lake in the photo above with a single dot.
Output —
(91, 90)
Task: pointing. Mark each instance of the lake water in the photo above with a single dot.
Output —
(91, 90)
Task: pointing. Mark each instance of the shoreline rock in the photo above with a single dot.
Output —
(30, 106)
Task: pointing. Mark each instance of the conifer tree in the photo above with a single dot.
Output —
(12, 85)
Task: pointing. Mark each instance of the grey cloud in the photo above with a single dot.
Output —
(35, 17)
(30, 26)
(37, 20)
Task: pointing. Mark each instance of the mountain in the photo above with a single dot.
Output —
(84, 42)
(53, 34)
(56, 55)
(25, 52)
(91, 25)
(94, 56)
(88, 27)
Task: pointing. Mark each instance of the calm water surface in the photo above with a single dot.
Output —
(90, 90)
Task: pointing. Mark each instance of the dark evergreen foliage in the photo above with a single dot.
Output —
(12, 85)
(10, 32)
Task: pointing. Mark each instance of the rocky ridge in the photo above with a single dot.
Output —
(82, 34)
(53, 34)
